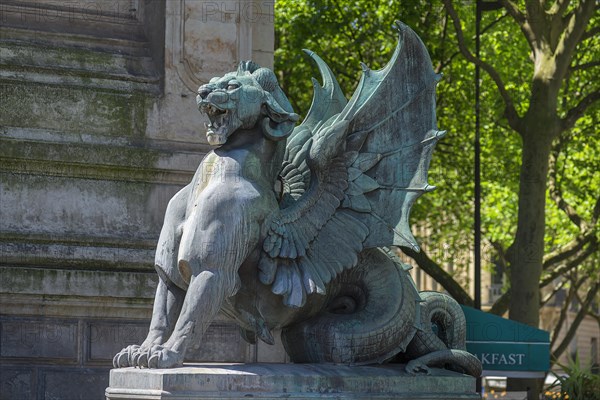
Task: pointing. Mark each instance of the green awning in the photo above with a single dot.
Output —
(505, 347)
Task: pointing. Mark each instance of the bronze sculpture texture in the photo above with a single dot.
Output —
(288, 227)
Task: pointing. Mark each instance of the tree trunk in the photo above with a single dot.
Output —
(527, 251)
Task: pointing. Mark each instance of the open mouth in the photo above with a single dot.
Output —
(216, 130)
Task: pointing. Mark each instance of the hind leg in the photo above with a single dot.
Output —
(167, 306)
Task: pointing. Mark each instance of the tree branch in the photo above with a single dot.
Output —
(494, 22)
(510, 111)
(569, 250)
(575, 27)
(553, 293)
(596, 316)
(585, 65)
(595, 31)
(425, 18)
(521, 19)
(573, 263)
(586, 229)
(576, 322)
(502, 256)
(564, 311)
(556, 193)
(440, 275)
(501, 304)
(596, 212)
(559, 7)
(349, 33)
(441, 64)
(577, 112)
(514, 11)
(447, 61)
(536, 17)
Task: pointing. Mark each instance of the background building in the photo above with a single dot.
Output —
(98, 129)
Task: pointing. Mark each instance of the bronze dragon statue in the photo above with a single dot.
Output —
(286, 227)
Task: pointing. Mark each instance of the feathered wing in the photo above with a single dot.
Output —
(352, 172)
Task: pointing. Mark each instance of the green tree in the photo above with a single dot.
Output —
(541, 179)
(549, 112)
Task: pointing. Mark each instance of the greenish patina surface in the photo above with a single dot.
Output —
(285, 227)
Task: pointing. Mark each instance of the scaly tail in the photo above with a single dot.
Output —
(368, 319)
(445, 348)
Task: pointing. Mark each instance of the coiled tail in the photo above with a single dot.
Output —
(368, 318)
(441, 341)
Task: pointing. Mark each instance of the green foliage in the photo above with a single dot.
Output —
(345, 33)
(578, 383)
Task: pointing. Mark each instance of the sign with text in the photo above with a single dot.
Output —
(505, 345)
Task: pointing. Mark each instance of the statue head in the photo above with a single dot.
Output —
(247, 98)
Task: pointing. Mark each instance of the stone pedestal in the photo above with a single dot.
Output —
(290, 381)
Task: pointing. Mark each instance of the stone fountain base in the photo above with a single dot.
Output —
(287, 381)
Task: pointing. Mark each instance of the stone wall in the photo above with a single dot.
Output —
(98, 129)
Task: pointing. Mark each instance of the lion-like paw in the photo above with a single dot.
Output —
(160, 357)
(125, 358)
(415, 367)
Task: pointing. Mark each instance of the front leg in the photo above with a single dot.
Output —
(169, 294)
(219, 233)
(164, 314)
(167, 305)
(204, 298)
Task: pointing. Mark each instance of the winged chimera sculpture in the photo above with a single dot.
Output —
(285, 227)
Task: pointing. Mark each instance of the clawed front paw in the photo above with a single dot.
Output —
(126, 357)
(156, 356)
(161, 357)
(415, 367)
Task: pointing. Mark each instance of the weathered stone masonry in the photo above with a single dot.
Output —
(98, 130)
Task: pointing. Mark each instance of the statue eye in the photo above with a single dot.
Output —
(233, 85)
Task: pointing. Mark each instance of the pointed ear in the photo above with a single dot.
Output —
(247, 67)
(278, 123)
